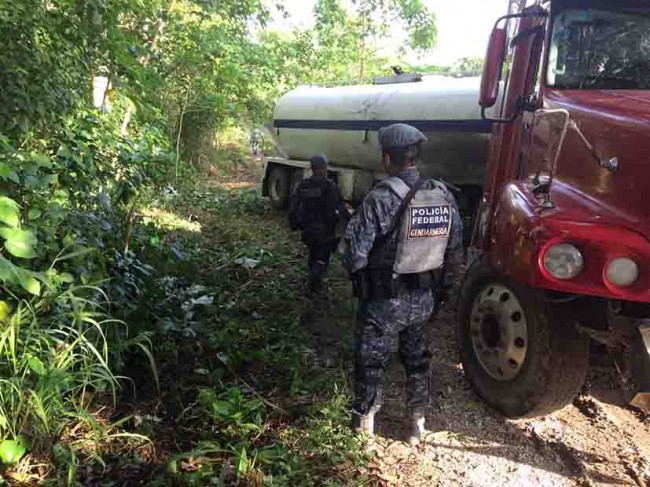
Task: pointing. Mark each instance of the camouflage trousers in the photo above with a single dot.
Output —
(378, 322)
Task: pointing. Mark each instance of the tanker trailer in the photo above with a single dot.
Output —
(343, 121)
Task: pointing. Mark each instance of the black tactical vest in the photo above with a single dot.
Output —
(319, 203)
(382, 255)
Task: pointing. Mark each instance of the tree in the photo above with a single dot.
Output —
(343, 44)
(462, 68)
(466, 67)
(376, 17)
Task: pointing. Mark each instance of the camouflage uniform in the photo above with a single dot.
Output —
(407, 315)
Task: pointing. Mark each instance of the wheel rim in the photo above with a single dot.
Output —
(499, 332)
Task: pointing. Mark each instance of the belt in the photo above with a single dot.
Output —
(381, 284)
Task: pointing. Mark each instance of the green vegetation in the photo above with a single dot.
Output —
(463, 68)
(254, 403)
(148, 333)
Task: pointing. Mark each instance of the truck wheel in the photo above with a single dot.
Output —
(279, 187)
(640, 368)
(521, 359)
(296, 179)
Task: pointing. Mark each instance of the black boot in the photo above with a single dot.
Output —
(314, 286)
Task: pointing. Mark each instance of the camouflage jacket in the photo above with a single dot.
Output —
(373, 218)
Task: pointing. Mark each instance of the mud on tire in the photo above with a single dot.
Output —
(556, 354)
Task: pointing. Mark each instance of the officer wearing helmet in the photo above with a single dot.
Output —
(398, 242)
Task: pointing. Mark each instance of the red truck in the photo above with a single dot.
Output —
(559, 259)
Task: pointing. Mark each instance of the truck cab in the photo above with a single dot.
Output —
(559, 258)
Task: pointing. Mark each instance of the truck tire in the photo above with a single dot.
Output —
(640, 369)
(279, 187)
(521, 359)
(296, 179)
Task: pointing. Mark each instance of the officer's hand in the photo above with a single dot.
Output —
(442, 297)
(444, 294)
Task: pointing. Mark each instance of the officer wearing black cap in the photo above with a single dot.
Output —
(316, 208)
(397, 243)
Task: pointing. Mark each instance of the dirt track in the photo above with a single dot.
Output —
(595, 441)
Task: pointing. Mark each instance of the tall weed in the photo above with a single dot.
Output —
(54, 358)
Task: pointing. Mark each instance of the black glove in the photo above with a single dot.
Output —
(442, 295)
(294, 222)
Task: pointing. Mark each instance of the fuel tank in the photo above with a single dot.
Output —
(342, 122)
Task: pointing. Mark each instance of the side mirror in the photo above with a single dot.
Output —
(528, 39)
(492, 68)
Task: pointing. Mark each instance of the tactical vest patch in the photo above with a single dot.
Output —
(429, 221)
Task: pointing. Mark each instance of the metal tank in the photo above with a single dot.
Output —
(342, 122)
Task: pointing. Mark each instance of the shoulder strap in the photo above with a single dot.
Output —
(399, 187)
(447, 186)
(406, 199)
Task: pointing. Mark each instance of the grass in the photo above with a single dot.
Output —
(242, 381)
(247, 394)
(256, 406)
(55, 365)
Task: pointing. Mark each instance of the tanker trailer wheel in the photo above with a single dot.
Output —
(296, 179)
(521, 358)
(279, 186)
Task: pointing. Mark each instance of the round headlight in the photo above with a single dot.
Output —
(622, 271)
(563, 261)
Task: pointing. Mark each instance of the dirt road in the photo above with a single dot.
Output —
(595, 441)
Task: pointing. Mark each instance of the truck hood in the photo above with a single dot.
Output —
(617, 125)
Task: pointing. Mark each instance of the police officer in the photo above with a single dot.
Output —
(316, 208)
(256, 141)
(398, 242)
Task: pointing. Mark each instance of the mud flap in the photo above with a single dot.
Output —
(640, 367)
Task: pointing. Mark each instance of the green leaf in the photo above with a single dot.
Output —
(36, 364)
(7, 272)
(42, 160)
(9, 211)
(242, 462)
(29, 283)
(7, 173)
(34, 213)
(32, 181)
(49, 179)
(66, 278)
(5, 311)
(172, 466)
(19, 242)
(13, 274)
(11, 451)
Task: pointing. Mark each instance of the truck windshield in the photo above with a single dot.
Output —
(600, 49)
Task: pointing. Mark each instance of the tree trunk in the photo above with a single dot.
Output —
(362, 47)
(180, 130)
